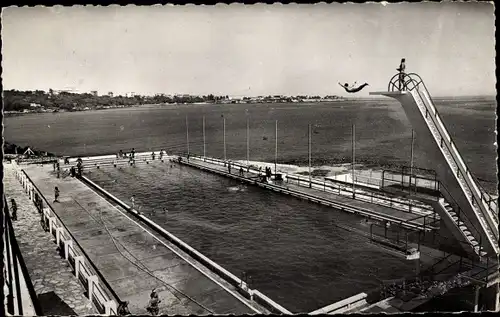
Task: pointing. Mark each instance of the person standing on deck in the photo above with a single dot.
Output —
(132, 152)
(56, 194)
(14, 209)
(153, 155)
(154, 302)
(401, 70)
(132, 200)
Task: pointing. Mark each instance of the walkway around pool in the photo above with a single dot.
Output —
(58, 290)
(378, 212)
(133, 259)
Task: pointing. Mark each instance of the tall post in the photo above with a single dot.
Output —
(411, 158)
(204, 143)
(276, 149)
(353, 160)
(187, 135)
(497, 296)
(224, 128)
(309, 150)
(476, 298)
(248, 142)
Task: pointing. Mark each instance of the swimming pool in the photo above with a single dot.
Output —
(292, 249)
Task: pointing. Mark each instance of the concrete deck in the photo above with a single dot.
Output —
(133, 260)
(329, 196)
(58, 290)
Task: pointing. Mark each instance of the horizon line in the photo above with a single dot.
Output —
(260, 95)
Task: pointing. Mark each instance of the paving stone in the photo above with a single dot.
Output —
(48, 271)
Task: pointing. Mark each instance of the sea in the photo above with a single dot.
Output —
(293, 250)
(382, 131)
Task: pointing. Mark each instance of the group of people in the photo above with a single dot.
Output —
(131, 155)
(153, 306)
(268, 172)
(162, 152)
(122, 154)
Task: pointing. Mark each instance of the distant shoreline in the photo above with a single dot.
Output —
(308, 102)
(22, 113)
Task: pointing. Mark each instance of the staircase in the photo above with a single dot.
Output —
(464, 234)
(473, 216)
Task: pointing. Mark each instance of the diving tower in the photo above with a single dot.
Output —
(468, 211)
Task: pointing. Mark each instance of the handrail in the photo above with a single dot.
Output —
(331, 203)
(473, 191)
(438, 117)
(470, 199)
(389, 201)
(17, 257)
(460, 214)
(443, 130)
(348, 189)
(113, 296)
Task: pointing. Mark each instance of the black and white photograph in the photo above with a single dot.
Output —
(248, 159)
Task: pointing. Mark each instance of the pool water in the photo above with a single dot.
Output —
(292, 249)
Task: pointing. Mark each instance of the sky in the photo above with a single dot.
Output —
(249, 50)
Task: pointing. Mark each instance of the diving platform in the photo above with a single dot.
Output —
(469, 211)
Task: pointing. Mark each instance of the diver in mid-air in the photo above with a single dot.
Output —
(353, 88)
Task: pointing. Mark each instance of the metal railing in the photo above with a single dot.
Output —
(84, 269)
(36, 160)
(310, 197)
(21, 297)
(462, 168)
(488, 218)
(462, 218)
(470, 185)
(338, 189)
(410, 179)
(490, 229)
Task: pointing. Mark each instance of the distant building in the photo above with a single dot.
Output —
(110, 94)
(94, 93)
(68, 91)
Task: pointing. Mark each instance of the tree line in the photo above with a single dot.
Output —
(15, 100)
